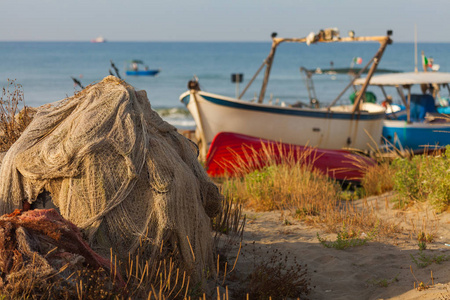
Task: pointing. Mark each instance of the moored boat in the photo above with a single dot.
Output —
(331, 127)
(232, 154)
(138, 68)
(142, 72)
(426, 123)
(98, 39)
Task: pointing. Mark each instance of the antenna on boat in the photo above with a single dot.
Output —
(237, 78)
(415, 48)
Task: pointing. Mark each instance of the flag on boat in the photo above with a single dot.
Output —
(427, 61)
(357, 60)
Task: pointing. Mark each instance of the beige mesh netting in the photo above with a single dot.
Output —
(118, 171)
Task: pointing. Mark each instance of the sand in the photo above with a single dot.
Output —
(358, 272)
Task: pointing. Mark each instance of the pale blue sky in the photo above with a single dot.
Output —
(218, 20)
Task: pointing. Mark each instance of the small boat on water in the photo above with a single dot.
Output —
(98, 39)
(138, 68)
(329, 127)
(230, 153)
(426, 122)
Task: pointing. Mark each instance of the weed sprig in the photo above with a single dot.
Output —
(347, 239)
(423, 260)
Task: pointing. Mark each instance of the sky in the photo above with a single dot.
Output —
(219, 20)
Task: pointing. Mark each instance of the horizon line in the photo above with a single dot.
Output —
(180, 41)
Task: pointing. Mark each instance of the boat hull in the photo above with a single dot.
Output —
(142, 73)
(334, 129)
(416, 136)
(231, 154)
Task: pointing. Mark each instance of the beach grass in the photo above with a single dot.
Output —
(12, 123)
(424, 178)
(309, 194)
(377, 179)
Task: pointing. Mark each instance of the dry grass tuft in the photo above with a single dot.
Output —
(143, 280)
(311, 196)
(228, 227)
(12, 123)
(274, 278)
(378, 179)
(357, 219)
(270, 181)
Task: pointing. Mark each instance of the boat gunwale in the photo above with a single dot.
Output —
(417, 125)
(293, 111)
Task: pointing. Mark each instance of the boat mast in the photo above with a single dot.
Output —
(322, 37)
(415, 49)
(268, 62)
(372, 70)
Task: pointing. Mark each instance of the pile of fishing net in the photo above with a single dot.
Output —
(120, 173)
(39, 247)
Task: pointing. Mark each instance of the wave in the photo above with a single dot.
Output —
(172, 111)
(177, 116)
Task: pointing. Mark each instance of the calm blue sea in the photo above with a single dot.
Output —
(44, 69)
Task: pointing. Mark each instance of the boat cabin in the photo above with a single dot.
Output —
(420, 94)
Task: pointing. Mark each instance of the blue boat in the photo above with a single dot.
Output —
(138, 68)
(142, 72)
(426, 123)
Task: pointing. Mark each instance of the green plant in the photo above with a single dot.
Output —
(422, 260)
(351, 192)
(407, 178)
(438, 183)
(347, 239)
(424, 178)
(422, 245)
(257, 179)
(423, 239)
(384, 282)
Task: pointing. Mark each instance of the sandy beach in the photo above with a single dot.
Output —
(380, 269)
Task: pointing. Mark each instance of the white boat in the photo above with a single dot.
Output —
(426, 124)
(333, 127)
(98, 39)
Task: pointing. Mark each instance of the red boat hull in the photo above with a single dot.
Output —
(231, 153)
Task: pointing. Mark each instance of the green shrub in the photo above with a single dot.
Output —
(407, 181)
(258, 178)
(437, 181)
(424, 178)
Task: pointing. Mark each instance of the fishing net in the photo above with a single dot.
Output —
(115, 169)
(37, 245)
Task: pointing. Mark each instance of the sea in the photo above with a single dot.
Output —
(45, 69)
